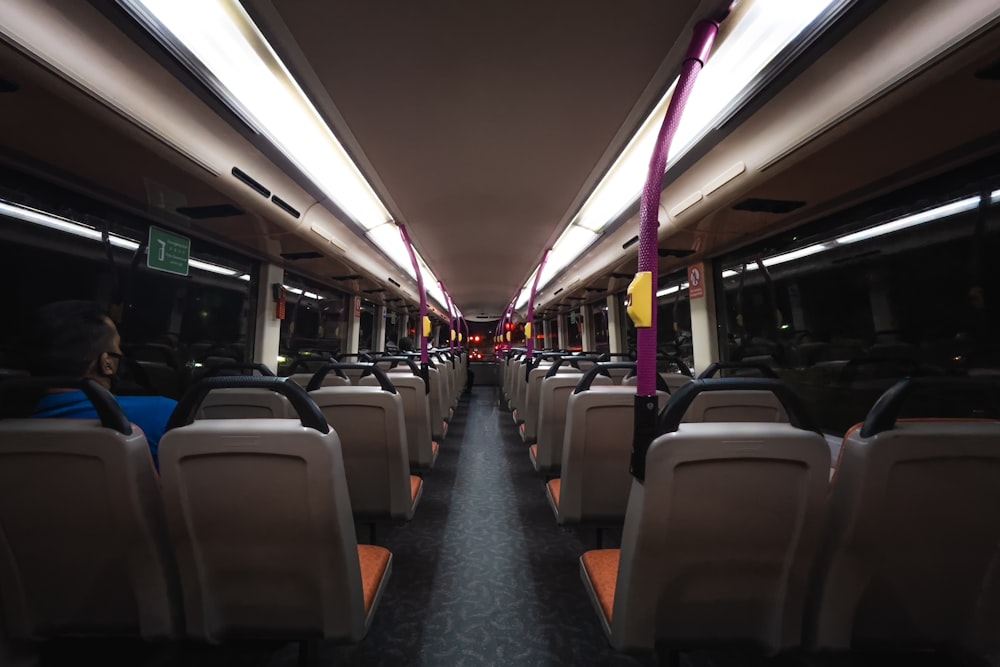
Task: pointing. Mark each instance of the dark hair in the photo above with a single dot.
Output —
(66, 337)
(406, 344)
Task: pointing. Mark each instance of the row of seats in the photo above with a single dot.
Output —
(384, 420)
(736, 534)
(247, 530)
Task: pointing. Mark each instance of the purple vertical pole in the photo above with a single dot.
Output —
(530, 342)
(646, 406)
(423, 302)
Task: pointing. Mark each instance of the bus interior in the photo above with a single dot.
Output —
(298, 189)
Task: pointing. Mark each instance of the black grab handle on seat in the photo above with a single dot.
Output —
(216, 370)
(765, 371)
(600, 368)
(108, 410)
(317, 380)
(307, 410)
(669, 358)
(883, 415)
(798, 416)
(396, 360)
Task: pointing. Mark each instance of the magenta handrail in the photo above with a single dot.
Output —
(530, 340)
(646, 404)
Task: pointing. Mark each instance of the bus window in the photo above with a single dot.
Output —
(599, 321)
(574, 322)
(894, 288)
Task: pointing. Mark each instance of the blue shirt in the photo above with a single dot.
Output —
(149, 413)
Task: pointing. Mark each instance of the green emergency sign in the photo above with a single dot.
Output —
(168, 252)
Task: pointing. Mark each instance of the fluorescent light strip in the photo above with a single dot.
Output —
(672, 290)
(57, 223)
(763, 31)
(308, 295)
(241, 67)
(947, 210)
(906, 222)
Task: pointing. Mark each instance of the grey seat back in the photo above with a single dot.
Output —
(261, 518)
(594, 478)
(912, 544)
(438, 411)
(416, 412)
(84, 548)
(674, 381)
(553, 397)
(720, 537)
(372, 431)
(532, 402)
(736, 406)
(240, 403)
(331, 380)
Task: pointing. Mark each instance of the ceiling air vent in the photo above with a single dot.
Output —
(631, 242)
(557, 291)
(7, 86)
(243, 176)
(350, 277)
(768, 205)
(675, 252)
(394, 282)
(990, 73)
(296, 256)
(373, 291)
(285, 206)
(211, 211)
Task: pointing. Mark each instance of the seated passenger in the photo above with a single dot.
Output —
(406, 344)
(76, 339)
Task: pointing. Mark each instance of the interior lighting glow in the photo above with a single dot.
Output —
(569, 246)
(793, 255)
(908, 221)
(50, 221)
(212, 268)
(761, 33)
(672, 290)
(995, 197)
(226, 50)
(389, 241)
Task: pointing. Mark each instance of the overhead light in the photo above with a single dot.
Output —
(995, 197)
(57, 223)
(50, 221)
(763, 30)
(672, 290)
(388, 240)
(212, 268)
(906, 222)
(953, 208)
(794, 255)
(570, 245)
(220, 43)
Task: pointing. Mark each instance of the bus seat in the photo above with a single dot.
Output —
(674, 380)
(529, 429)
(372, 431)
(331, 380)
(556, 388)
(84, 548)
(719, 538)
(260, 517)
(421, 447)
(163, 378)
(439, 427)
(594, 480)
(912, 538)
(243, 403)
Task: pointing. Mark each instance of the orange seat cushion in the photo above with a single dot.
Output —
(555, 486)
(435, 447)
(415, 483)
(520, 427)
(602, 568)
(534, 452)
(373, 563)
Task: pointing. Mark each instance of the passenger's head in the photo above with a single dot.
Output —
(73, 338)
(406, 344)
